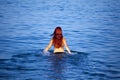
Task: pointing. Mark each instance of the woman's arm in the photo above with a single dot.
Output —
(66, 46)
(49, 46)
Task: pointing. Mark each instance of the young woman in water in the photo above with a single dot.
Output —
(58, 41)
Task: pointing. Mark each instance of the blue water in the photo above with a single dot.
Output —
(92, 30)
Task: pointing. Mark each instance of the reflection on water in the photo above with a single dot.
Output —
(52, 67)
(58, 65)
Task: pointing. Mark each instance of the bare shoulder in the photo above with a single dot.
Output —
(64, 39)
(51, 40)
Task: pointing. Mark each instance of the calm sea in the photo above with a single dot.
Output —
(92, 30)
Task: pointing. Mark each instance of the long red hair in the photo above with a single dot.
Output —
(57, 37)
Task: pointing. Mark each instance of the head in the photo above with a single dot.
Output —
(58, 30)
(57, 37)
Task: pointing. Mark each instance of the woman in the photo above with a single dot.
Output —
(58, 41)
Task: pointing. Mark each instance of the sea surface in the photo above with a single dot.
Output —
(91, 28)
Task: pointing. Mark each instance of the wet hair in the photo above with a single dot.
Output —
(57, 37)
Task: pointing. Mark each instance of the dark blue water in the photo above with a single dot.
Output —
(92, 30)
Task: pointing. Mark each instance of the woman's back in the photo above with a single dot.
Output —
(60, 49)
(58, 41)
